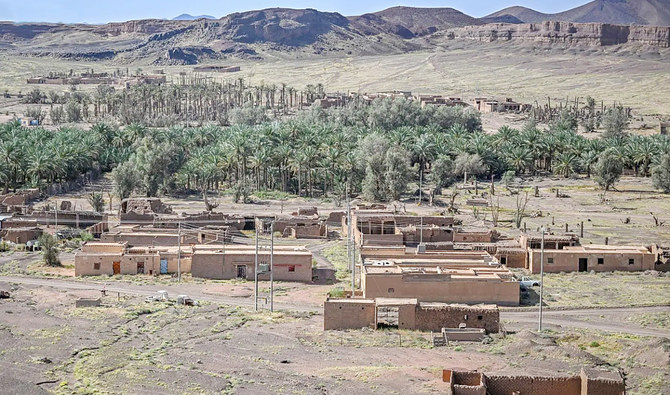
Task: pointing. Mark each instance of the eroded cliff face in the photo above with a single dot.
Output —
(593, 34)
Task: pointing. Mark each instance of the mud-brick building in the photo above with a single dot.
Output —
(98, 258)
(598, 258)
(289, 263)
(440, 282)
(340, 314)
(20, 235)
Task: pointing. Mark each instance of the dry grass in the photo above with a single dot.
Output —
(457, 68)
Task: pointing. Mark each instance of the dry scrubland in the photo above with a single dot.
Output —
(636, 77)
(129, 346)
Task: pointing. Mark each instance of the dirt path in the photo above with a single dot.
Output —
(609, 320)
(193, 290)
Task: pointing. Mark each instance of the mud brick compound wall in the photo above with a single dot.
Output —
(346, 314)
(434, 317)
(504, 385)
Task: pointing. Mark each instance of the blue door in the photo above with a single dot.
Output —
(163, 266)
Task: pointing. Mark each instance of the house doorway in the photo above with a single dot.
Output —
(164, 266)
(140, 267)
(242, 271)
(583, 265)
(387, 316)
(116, 267)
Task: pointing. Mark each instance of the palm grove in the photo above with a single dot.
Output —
(376, 150)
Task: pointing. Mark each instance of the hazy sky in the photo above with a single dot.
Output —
(100, 11)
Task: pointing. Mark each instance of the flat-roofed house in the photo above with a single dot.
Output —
(446, 281)
(598, 258)
(289, 263)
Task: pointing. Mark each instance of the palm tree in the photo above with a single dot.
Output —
(424, 152)
(566, 164)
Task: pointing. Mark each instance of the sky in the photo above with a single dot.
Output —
(102, 11)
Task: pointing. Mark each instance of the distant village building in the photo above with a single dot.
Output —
(205, 261)
(28, 122)
(490, 105)
(665, 127)
(216, 69)
(438, 100)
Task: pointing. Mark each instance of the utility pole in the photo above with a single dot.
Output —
(349, 235)
(56, 216)
(179, 253)
(539, 326)
(256, 268)
(272, 253)
(421, 230)
(353, 266)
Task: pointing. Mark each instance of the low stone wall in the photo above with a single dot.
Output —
(84, 302)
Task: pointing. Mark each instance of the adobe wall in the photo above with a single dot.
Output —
(138, 239)
(468, 390)
(335, 218)
(78, 219)
(441, 289)
(20, 236)
(474, 237)
(518, 261)
(434, 318)
(136, 218)
(407, 316)
(467, 378)
(84, 264)
(339, 314)
(505, 385)
(382, 240)
(568, 261)
(224, 266)
(305, 232)
(430, 235)
(99, 247)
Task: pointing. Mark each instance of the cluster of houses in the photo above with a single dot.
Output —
(412, 265)
(484, 105)
(423, 273)
(21, 223)
(90, 78)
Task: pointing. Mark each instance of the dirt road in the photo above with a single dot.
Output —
(608, 319)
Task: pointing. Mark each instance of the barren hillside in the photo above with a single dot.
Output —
(301, 33)
(620, 12)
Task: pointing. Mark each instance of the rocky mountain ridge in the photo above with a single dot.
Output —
(621, 12)
(590, 34)
(305, 32)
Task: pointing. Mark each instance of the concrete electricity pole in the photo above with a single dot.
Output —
(539, 325)
(256, 268)
(348, 225)
(272, 253)
(179, 253)
(421, 230)
(353, 264)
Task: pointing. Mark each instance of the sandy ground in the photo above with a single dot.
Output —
(132, 346)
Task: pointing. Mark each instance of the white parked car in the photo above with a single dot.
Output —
(527, 282)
